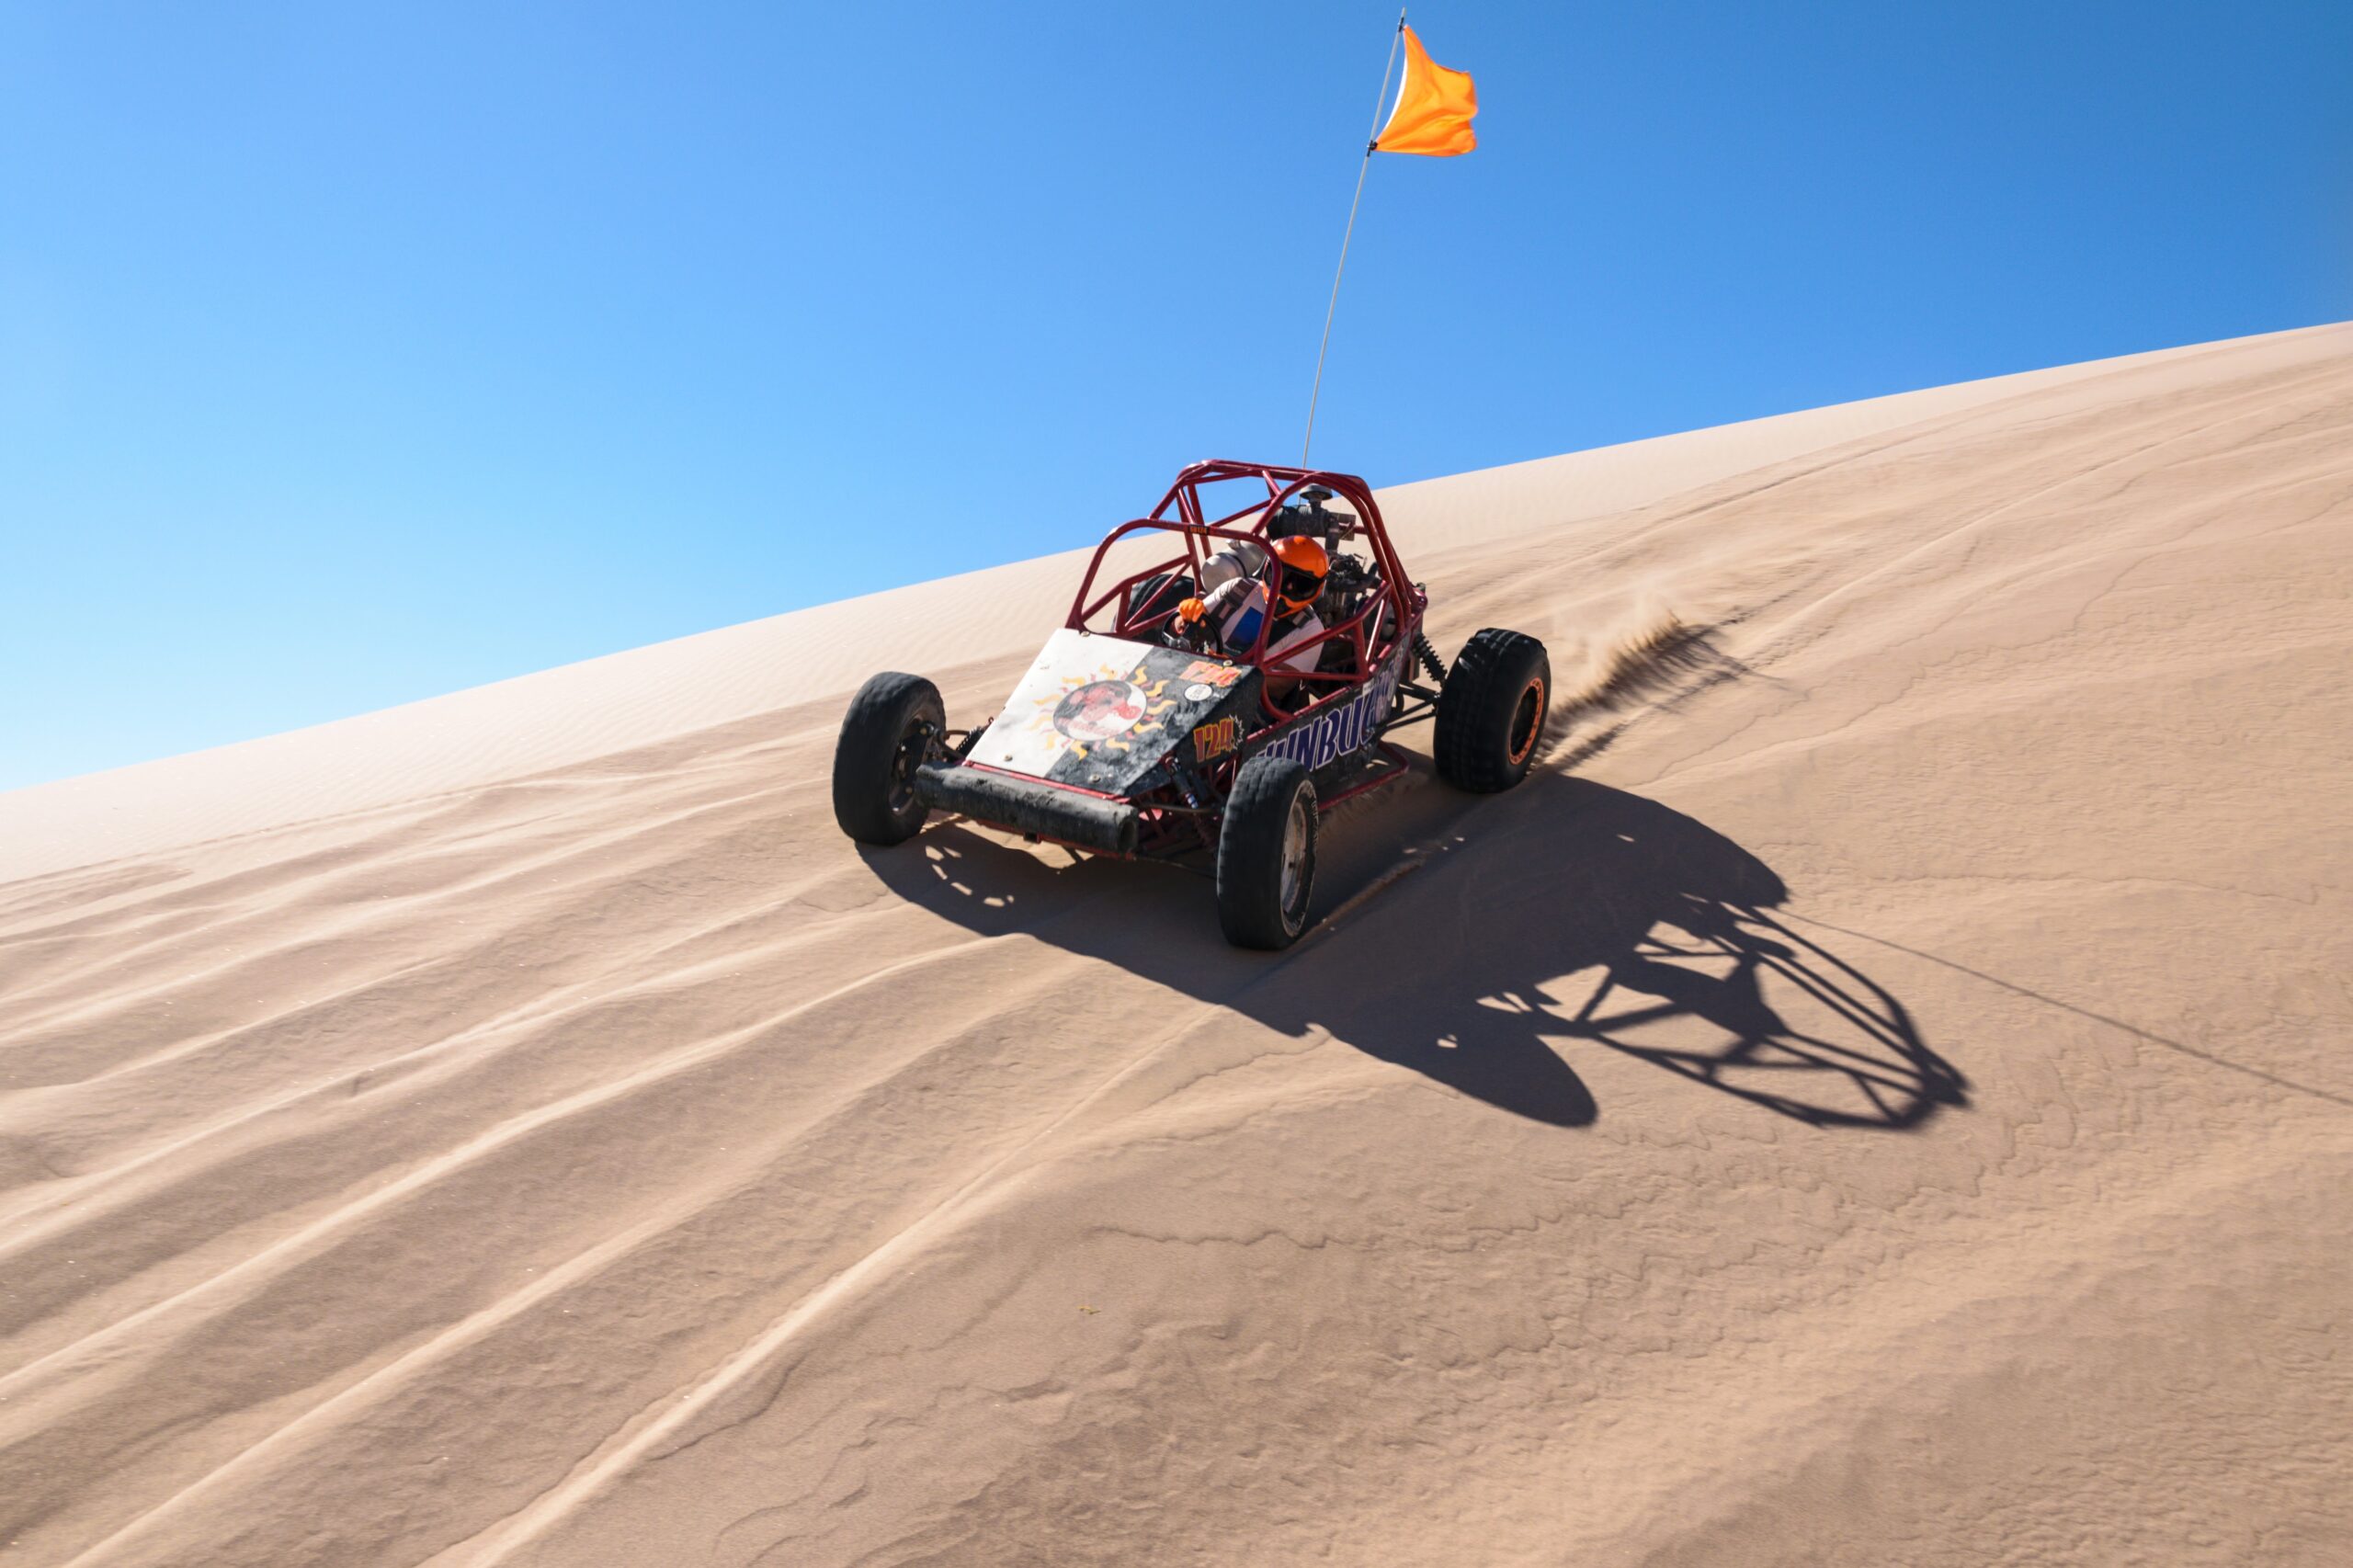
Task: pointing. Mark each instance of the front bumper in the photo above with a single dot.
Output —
(1025, 805)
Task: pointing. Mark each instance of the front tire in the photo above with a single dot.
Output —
(890, 729)
(1491, 712)
(1266, 854)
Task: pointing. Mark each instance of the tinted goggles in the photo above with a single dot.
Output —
(1298, 584)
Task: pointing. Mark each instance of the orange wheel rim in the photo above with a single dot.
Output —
(1524, 730)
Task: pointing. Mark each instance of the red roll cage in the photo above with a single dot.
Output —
(1390, 610)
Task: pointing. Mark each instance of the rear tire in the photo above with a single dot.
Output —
(888, 731)
(1266, 854)
(1491, 712)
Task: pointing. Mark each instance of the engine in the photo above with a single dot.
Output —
(1351, 580)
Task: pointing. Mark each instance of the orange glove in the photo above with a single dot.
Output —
(1191, 611)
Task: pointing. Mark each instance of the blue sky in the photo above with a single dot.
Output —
(353, 353)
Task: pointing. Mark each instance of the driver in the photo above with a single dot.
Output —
(1231, 617)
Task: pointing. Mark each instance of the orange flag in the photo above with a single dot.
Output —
(1434, 108)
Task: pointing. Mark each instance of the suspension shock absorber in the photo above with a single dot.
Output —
(1188, 785)
(1428, 655)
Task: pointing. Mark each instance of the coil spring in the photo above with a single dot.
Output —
(1428, 655)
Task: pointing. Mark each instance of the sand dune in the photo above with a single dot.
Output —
(1874, 1096)
(587, 710)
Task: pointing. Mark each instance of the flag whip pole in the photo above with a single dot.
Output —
(1330, 309)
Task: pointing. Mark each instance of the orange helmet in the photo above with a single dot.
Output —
(1299, 567)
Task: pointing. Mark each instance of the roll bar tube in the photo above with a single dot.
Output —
(1190, 522)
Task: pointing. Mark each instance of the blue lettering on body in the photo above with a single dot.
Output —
(1346, 728)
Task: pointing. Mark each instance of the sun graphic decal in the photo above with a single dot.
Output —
(1099, 710)
(1081, 719)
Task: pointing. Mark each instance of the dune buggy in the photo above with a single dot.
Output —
(1127, 738)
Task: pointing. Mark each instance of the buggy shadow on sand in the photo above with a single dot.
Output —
(1565, 912)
